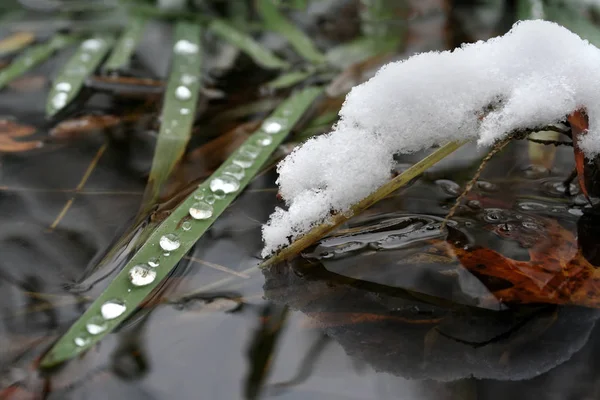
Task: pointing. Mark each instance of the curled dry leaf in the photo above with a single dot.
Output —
(9, 130)
(127, 86)
(579, 126)
(87, 123)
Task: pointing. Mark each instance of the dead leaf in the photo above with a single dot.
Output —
(579, 126)
(9, 130)
(556, 273)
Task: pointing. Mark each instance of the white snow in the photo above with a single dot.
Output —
(535, 75)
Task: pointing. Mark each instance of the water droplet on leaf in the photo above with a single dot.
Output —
(183, 93)
(273, 126)
(226, 183)
(112, 309)
(141, 275)
(81, 341)
(169, 242)
(201, 210)
(234, 170)
(96, 325)
(263, 140)
(185, 47)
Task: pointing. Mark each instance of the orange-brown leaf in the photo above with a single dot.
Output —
(579, 126)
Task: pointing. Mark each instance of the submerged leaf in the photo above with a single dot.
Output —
(69, 81)
(556, 272)
(176, 235)
(125, 46)
(32, 57)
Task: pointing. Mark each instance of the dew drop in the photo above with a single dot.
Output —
(169, 242)
(81, 341)
(273, 126)
(243, 160)
(184, 111)
(188, 79)
(112, 309)
(250, 150)
(226, 183)
(166, 254)
(59, 100)
(141, 275)
(185, 47)
(183, 93)
(92, 44)
(154, 262)
(263, 140)
(210, 198)
(201, 193)
(63, 86)
(201, 210)
(219, 194)
(234, 170)
(96, 325)
(186, 226)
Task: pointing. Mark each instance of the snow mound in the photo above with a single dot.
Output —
(535, 75)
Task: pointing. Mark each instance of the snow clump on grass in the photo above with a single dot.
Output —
(533, 76)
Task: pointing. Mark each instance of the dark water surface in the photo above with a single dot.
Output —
(382, 309)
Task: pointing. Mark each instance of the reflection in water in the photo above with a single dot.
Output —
(403, 335)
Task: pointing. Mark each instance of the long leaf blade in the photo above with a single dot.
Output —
(32, 57)
(261, 55)
(179, 108)
(259, 145)
(121, 55)
(70, 79)
(277, 22)
(386, 189)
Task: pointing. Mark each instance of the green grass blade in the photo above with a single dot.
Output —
(530, 9)
(570, 18)
(179, 108)
(32, 57)
(121, 54)
(250, 157)
(261, 55)
(277, 22)
(288, 79)
(70, 79)
(383, 191)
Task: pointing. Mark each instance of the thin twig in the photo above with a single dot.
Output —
(497, 148)
(550, 142)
